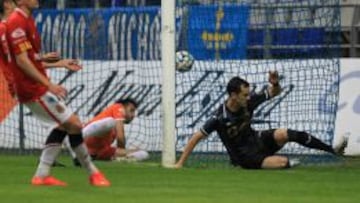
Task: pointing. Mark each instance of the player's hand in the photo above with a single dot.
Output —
(58, 90)
(274, 78)
(70, 64)
(51, 57)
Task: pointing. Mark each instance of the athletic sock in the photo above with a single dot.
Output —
(308, 140)
(77, 144)
(47, 158)
(50, 152)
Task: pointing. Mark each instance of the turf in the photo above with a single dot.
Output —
(148, 182)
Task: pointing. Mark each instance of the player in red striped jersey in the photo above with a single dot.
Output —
(44, 98)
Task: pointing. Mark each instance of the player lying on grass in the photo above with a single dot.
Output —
(108, 127)
(249, 148)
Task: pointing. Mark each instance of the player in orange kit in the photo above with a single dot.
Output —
(106, 128)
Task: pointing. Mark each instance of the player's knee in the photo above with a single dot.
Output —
(275, 162)
(73, 125)
(75, 140)
(281, 136)
(283, 162)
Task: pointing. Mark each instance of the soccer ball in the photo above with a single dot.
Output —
(183, 61)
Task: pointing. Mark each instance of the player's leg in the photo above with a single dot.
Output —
(302, 138)
(131, 155)
(74, 128)
(272, 141)
(72, 153)
(54, 111)
(99, 128)
(43, 110)
(138, 155)
(278, 162)
(47, 159)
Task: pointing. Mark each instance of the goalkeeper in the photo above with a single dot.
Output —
(247, 147)
(108, 127)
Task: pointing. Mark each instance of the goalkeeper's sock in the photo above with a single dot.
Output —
(308, 140)
(77, 144)
(50, 152)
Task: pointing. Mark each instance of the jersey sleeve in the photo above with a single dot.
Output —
(118, 112)
(210, 126)
(258, 98)
(17, 37)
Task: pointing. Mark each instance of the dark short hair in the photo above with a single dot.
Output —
(127, 101)
(235, 83)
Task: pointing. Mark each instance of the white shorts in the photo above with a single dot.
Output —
(50, 109)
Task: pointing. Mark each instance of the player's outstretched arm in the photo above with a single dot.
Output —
(70, 64)
(275, 88)
(189, 148)
(50, 57)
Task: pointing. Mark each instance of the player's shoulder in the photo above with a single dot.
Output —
(217, 114)
(116, 106)
(16, 18)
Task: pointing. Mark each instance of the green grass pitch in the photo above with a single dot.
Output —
(148, 182)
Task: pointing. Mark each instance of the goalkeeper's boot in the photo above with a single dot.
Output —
(99, 180)
(47, 181)
(342, 144)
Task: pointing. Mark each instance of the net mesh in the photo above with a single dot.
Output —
(299, 39)
(120, 52)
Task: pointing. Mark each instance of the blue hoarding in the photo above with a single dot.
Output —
(213, 32)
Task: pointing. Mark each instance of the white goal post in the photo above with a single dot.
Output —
(168, 78)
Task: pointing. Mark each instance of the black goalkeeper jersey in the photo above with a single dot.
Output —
(234, 128)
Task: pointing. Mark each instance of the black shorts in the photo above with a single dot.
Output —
(261, 145)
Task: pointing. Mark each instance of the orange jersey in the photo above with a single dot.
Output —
(96, 144)
(115, 111)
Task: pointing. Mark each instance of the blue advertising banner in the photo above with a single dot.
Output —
(218, 32)
(105, 34)
(134, 33)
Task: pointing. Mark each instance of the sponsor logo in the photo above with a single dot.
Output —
(18, 33)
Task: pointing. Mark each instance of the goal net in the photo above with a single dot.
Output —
(299, 39)
(121, 54)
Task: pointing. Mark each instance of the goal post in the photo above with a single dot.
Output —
(168, 81)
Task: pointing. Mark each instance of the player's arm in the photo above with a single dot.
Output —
(70, 64)
(50, 57)
(26, 65)
(194, 140)
(120, 134)
(274, 89)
